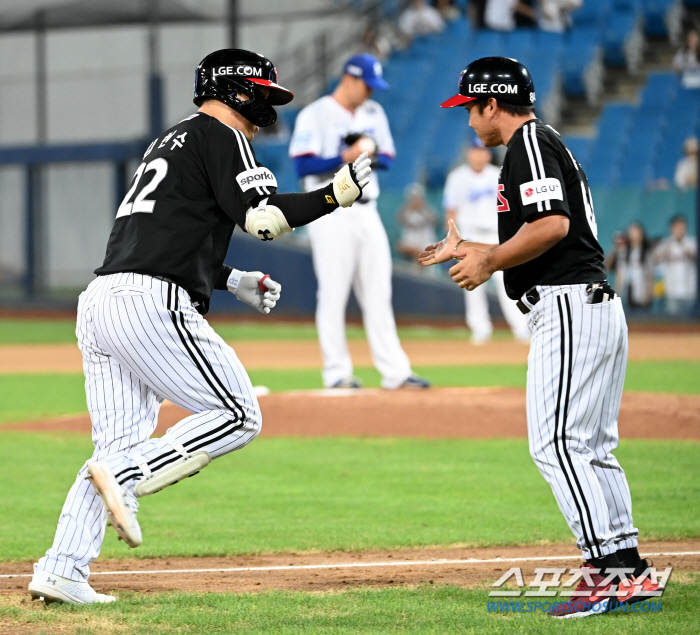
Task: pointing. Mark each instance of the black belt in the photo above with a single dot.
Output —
(532, 296)
(598, 292)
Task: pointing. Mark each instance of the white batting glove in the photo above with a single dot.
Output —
(362, 168)
(255, 289)
(350, 179)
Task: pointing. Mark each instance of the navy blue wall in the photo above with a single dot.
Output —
(413, 297)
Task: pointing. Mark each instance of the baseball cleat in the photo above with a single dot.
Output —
(640, 587)
(590, 599)
(348, 382)
(48, 587)
(121, 507)
(415, 382)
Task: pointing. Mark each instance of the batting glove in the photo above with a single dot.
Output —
(255, 289)
(350, 179)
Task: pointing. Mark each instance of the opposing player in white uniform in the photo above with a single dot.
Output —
(469, 199)
(141, 328)
(350, 247)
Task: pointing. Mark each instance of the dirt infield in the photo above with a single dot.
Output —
(66, 358)
(334, 571)
(435, 413)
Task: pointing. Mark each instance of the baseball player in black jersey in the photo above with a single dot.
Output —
(140, 326)
(553, 267)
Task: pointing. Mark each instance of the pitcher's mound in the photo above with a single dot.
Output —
(434, 413)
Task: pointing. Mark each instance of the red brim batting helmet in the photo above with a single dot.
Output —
(502, 78)
(223, 74)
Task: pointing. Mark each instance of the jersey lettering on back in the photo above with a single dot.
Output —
(193, 186)
(541, 176)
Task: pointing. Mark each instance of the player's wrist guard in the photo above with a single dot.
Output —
(350, 179)
(267, 222)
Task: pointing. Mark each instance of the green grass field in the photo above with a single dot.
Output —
(36, 396)
(425, 609)
(36, 331)
(293, 495)
(287, 494)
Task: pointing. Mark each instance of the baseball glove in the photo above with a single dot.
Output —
(369, 143)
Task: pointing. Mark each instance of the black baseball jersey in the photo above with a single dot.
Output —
(540, 174)
(194, 185)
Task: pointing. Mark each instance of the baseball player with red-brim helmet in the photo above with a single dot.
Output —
(141, 328)
(553, 267)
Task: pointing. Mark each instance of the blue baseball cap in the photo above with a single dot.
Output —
(367, 68)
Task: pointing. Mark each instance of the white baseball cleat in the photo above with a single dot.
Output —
(120, 506)
(53, 588)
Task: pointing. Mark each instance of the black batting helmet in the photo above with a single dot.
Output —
(503, 78)
(222, 74)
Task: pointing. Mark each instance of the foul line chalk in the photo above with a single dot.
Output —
(354, 565)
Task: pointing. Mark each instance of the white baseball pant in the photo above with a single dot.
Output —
(351, 250)
(477, 312)
(143, 341)
(576, 371)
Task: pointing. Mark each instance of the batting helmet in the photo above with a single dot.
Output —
(503, 78)
(222, 74)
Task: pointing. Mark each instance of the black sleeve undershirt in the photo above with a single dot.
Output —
(300, 208)
(303, 208)
(222, 278)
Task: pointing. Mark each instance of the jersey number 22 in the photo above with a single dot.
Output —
(142, 205)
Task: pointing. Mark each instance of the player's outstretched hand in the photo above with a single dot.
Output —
(255, 289)
(442, 251)
(350, 179)
(473, 270)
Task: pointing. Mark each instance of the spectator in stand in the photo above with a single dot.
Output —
(633, 265)
(616, 260)
(525, 14)
(374, 43)
(447, 9)
(476, 11)
(420, 19)
(555, 15)
(686, 176)
(418, 221)
(500, 15)
(678, 256)
(688, 57)
(687, 60)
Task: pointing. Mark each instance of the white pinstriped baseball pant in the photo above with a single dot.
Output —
(143, 341)
(576, 371)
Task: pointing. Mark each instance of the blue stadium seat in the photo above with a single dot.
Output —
(580, 147)
(619, 27)
(580, 51)
(591, 14)
(659, 91)
(550, 43)
(519, 43)
(655, 12)
(607, 148)
(488, 43)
